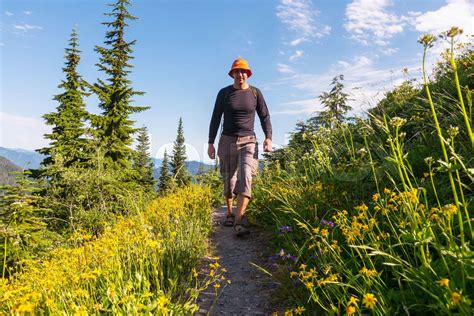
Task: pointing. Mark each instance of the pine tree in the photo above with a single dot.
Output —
(335, 102)
(68, 143)
(143, 163)
(114, 128)
(165, 180)
(179, 171)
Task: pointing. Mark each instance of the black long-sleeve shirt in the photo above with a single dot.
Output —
(239, 107)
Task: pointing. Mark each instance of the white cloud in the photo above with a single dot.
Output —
(8, 13)
(389, 51)
(22, 132)
(284, 68)
(27, 12)
(369, 22)
(27, 27)
(458, 13)
(300, 18)
(365, 83)
(296, 55)
(2, 44)
(298, 41)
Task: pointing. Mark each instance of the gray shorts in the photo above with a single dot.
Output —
(238, 157)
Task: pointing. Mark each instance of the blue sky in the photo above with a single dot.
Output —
(185, 48)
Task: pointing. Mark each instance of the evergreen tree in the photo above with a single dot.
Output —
(335, 103)
(114, 128)
(143, 163)
(180, 173)
(68, 144)
(165, 180)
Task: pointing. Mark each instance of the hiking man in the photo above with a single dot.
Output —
(237, 148)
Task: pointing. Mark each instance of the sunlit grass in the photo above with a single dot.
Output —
(145, 263)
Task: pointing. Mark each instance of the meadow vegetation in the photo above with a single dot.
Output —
(375, 215)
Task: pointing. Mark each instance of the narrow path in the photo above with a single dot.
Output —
(250, 289)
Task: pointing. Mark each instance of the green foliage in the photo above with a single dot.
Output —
(68, 141)
(335, 103)
(90, 198)
(211, 178)
(165, 181)
(180, 172)
(24, 234)
(143, 164)
(375, 216)
(142, 264)
(114, 128)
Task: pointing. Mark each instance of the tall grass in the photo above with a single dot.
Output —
(144, 264)
(360, 230)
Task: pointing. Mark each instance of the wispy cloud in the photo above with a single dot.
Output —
(299, 16)
(8, 13)
(298, 54)
(369, 21)
(284, 68)
(365, 83)
(22, 132)
(27, 27)
(27, 12)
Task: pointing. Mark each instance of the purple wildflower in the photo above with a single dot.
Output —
(327, 223)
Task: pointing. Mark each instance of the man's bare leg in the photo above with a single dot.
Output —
(242, 202)
(230, 202)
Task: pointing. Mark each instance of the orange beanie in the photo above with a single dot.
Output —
(240, 63)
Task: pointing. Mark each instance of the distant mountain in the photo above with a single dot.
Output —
(27, 159)
(6, 167)
(193, 166)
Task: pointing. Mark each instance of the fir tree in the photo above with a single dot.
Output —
(180, 173)
(68, 144)
(335, 102)
(114, 128)
(165, 180)
(143, 163)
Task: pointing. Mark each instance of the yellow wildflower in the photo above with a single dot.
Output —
(449, 210)
(443, 282)
(309, 285)
(163, 301)
(369, 300)
(293, 274)
(212, 272)
(386, 191)
(353, 301)
(25, 308)
(376, 197)
(368, 272)
(289, 312)
(299, 310)
(217, 285)
(195, 274)
(350, 310)
(324, 232)
(455, 297)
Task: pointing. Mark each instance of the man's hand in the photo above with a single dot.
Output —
(267, 145)
(211, 151)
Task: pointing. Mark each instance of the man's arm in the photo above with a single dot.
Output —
(214, 125)
(264, 116)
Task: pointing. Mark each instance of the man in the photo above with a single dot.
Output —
(237, 149)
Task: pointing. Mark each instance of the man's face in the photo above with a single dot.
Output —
(240, 76)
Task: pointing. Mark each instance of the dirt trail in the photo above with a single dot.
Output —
(250, 290)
